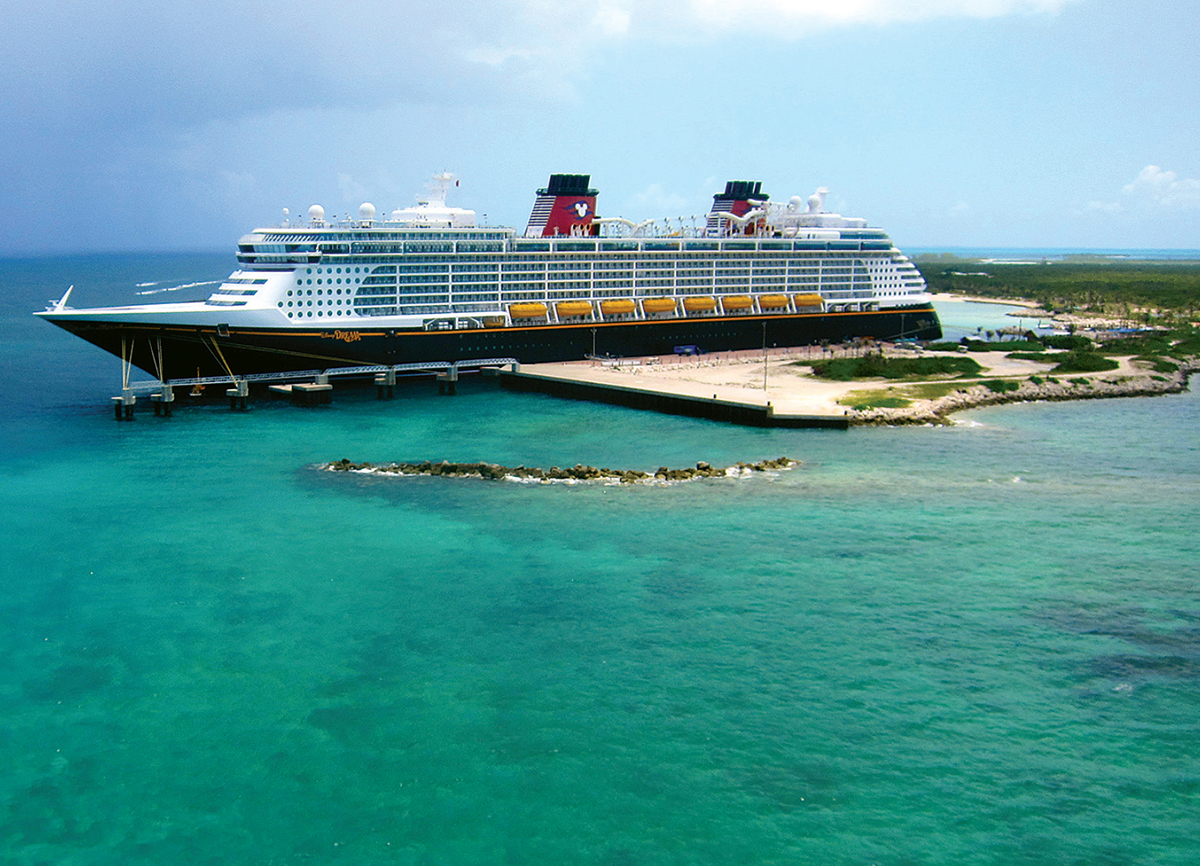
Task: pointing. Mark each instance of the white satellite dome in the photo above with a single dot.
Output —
(316, 213)
(366, 211)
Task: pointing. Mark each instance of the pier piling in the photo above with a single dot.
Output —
(238, 395)
(385, 384)
(163, 400)
(123, 405)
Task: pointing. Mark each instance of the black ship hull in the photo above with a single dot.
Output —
(190, 351)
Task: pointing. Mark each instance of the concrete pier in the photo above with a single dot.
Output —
(123, 405)
(163, 400)
(647, 383)
(238, 395)
(385, 384)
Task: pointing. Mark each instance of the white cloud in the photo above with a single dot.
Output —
(1156, 189)
(1105, 207)
(786, 17)
(552, 30)
(657, 201)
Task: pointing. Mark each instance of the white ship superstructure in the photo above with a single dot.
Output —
(432, 269)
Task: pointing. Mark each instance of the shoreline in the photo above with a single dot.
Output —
(792, 396)
(1079, 387)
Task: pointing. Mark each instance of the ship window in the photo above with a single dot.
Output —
(308, 271)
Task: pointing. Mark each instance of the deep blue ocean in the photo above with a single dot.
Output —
(976, 644)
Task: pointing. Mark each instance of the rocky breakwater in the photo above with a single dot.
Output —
(577, 473)
(1091, 386)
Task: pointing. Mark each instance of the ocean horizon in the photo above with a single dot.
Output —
(974, 644)
(1003, 254)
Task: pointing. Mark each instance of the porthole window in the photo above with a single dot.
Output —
(308, 270)
(289, 315)
(289, 293)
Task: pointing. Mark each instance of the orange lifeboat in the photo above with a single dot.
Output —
(658, 305)
(701, 304)
(619, 307)
(736, 302)
(809, 300)
(772, 302)
(527, 311)
(573, 308)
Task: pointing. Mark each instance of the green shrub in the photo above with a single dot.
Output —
(1187, 342)
(1000, 386)
(882, 403)
(873, 366)
(1140, 345)
(1066, 341)
(1032, 356)
(1037, 380)
(1085, 362)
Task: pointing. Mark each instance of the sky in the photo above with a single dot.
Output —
(132, 125)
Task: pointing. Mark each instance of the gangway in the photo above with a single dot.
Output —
(452, 367)
(162, 392)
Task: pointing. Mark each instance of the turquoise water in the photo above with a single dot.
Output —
(966, 645)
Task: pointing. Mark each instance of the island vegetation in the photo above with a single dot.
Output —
(1141, 292)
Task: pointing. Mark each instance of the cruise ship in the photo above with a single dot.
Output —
(428, 283)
